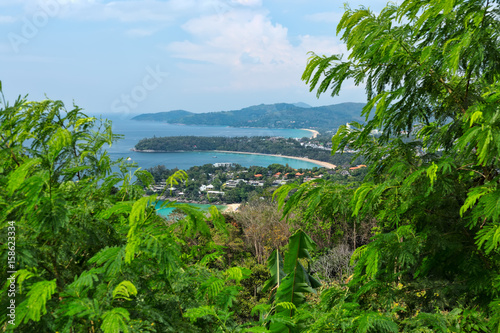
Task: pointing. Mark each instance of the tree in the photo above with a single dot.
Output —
(86, 251)
(262, 227)
(431, 70)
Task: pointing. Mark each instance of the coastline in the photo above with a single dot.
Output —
(228, 208)
(231, 208)
(313, 132)
(320, 163)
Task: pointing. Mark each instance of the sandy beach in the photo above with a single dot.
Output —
(313, 132)
(232, 208)
(319, 163)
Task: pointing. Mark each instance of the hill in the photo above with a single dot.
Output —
(280, 115)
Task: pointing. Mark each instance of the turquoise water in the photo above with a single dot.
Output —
(137, 130)
(167, 211)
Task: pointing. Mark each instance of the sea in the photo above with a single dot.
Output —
(134, 131)
(166, 211)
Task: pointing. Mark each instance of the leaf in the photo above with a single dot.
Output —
(286, 305)
(81, 308)
(111, 258)
(202, 311)
(299, 246)
(275, 266)
(473, 196)
(178, 176)
(136, 218)
(297, 281)
(58, 141)
(431, 173)
(218, 220)
(17, 177)
(124, 290)
(121, 207)
(237, 273)
(360, 196)
(261, 308)
(23, 275)
(38, 296)
(282, 193)
(225, 298)
(375, 322)
(85, 280)
(115, 321)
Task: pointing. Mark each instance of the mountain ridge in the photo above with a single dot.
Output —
(278, 115)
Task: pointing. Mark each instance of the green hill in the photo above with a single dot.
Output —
(280, 115)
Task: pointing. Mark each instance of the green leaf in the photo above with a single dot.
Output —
(38, 296)
(298, 248)
(124, 290)
(473, 196)
(202, 311)
(275, 265)
(136, 219)
(297, 281)
(111, 258)
(19, 175)
(115, 321)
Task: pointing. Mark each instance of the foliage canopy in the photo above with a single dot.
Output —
(431, 70)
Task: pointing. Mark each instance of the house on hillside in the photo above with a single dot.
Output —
(204, 188)
(234, 182)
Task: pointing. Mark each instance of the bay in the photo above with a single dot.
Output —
(134, 131)
(204, 207)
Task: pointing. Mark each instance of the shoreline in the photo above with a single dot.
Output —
(229, 208)
(314, 133)
(317, 162)
(320, 163)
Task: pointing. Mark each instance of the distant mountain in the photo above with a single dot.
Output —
(280, 115)
(302, 105)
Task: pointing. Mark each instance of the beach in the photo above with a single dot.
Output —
(319, 163)
(313, 132)
(232, 208)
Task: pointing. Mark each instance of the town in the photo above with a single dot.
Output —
(226, 183)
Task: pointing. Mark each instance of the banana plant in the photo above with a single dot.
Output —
(289, 282)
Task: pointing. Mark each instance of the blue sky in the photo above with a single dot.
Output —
(130, 57)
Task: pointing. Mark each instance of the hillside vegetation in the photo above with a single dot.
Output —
(280, 115)
(413, 247)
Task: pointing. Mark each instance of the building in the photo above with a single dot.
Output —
(218, 165)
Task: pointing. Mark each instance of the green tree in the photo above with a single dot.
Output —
(431, 70)
(87, 252)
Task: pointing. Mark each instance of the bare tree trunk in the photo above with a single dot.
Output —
(354, 238)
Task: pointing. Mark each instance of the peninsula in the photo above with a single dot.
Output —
(280, 115)
(316, 151)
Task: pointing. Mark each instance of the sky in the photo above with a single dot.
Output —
(143, 56)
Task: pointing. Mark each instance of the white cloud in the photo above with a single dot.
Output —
(256, 51)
